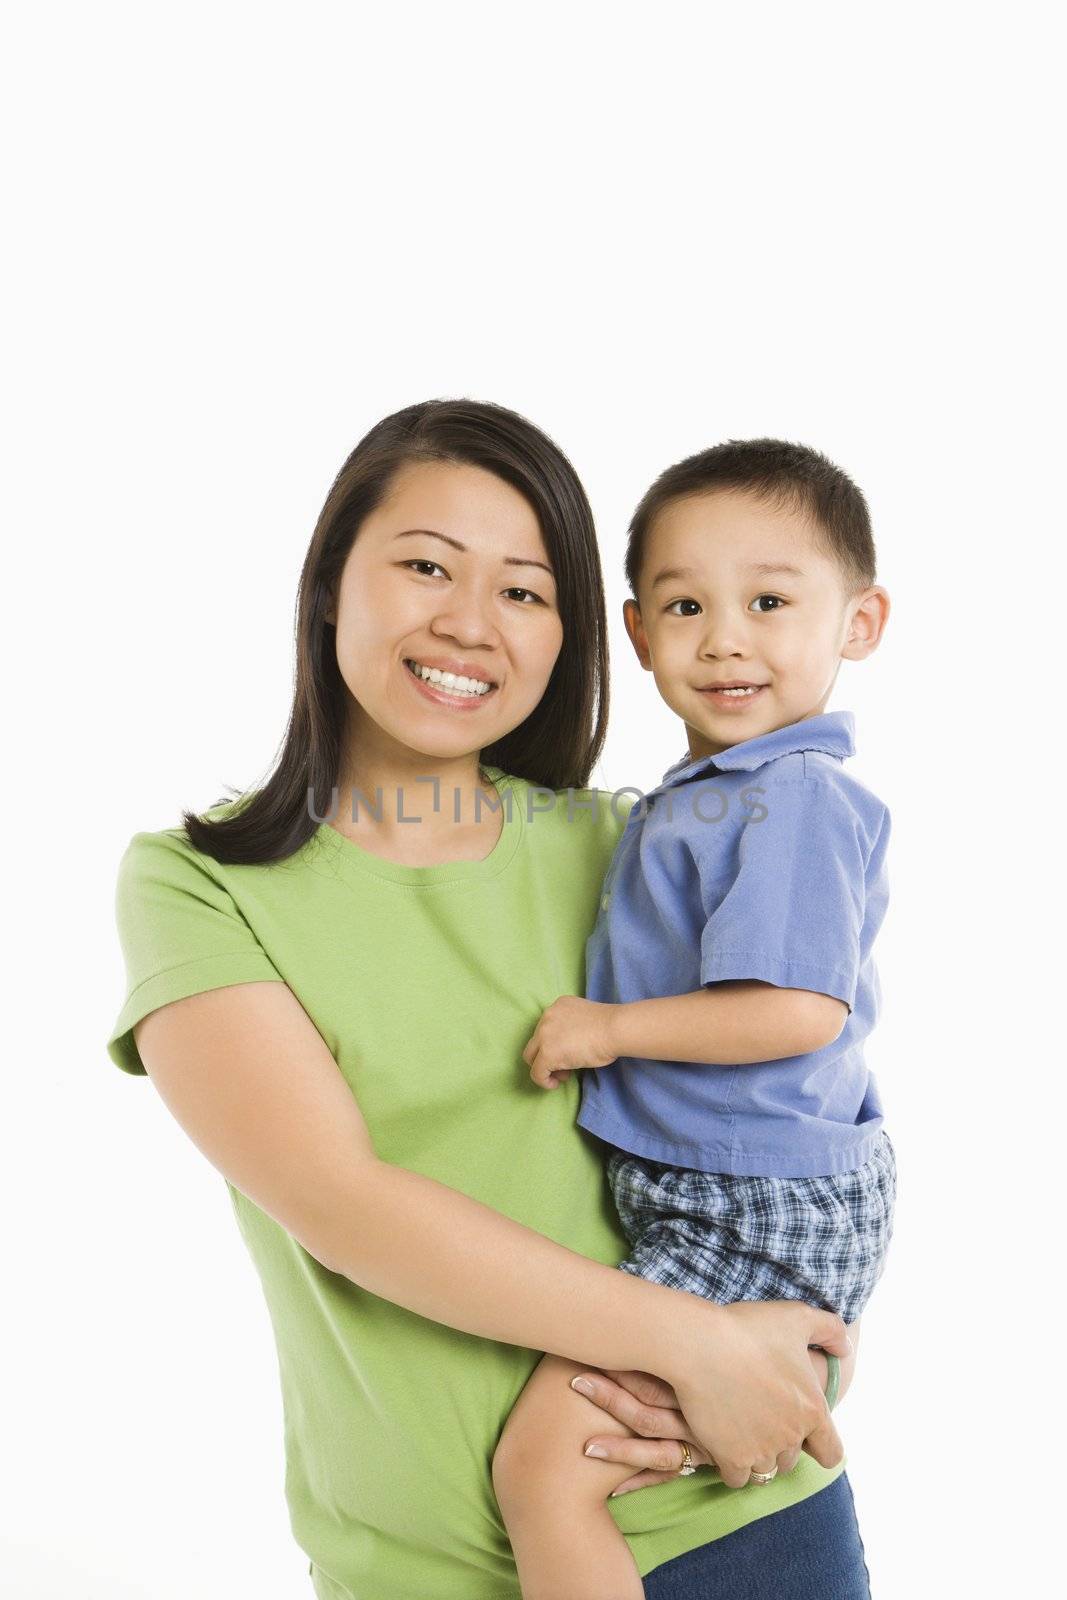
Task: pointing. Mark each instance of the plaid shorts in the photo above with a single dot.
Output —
(725, 1237)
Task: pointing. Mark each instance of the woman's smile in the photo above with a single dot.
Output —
(449, 692)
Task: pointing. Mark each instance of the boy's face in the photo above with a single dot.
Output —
(761, 604)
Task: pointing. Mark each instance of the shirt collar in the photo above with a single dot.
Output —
(831, 731)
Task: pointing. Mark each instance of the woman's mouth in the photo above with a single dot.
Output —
(446, 689)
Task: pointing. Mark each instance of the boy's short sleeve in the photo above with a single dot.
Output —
(793, 913)
(180, 932)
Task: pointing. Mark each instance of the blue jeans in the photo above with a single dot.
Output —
(808, 1551)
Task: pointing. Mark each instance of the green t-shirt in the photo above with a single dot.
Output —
(426, 984)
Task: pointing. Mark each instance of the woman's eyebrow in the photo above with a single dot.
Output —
(509, 561)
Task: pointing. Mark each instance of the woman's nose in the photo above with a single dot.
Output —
(467, 616)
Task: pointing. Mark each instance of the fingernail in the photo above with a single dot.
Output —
(615, 1493)
(582, 1385)
(595, 1450)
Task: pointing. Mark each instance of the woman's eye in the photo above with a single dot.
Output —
(422, 562)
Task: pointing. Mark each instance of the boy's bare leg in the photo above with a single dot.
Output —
(553, 1498)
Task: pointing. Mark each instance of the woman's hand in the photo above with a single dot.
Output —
(755, 1395)
(747, 1388)
(572, 1033)
(648, 1406)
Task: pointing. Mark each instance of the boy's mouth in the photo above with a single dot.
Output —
(734, 693)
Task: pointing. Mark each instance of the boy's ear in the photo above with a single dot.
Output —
(868, 615)
(631, 616)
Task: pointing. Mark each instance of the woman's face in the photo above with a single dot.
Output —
(449, 572)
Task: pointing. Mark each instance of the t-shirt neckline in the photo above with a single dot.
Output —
(351, 855)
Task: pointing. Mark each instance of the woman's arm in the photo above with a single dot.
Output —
(249, 1077)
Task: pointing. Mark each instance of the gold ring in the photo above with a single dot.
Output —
(687, 1461)
(763, 1477)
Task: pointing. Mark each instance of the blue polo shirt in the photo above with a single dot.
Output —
(766, 861)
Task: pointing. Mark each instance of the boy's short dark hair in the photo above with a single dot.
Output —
(787, 474)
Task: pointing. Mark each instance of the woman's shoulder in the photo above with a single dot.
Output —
(181, 927)
(162, 867)
(172, 844)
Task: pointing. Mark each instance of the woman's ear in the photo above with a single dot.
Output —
(869, 614)
(631, 616)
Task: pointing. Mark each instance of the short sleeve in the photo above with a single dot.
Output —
(793, 913)
(180, 932)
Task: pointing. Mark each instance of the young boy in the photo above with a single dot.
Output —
(729, 980)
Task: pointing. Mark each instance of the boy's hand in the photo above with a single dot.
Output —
(572, 1033)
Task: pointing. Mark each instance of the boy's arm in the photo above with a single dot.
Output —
(780, 950)
(779, 958)
(729, 1023)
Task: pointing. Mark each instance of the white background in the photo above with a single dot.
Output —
(241, 234)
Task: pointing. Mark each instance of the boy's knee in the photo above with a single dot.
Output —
(522, 1441)
(535, 1470)
(517, 1463)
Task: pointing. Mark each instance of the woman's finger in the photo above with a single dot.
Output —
(655, 1455)
(824, 1443)
(653, 1421)
(641, 1480)
(645, 1386)
(660, 1459)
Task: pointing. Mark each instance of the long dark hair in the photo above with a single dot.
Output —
(558, 743)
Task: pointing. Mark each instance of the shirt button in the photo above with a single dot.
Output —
(604, 902)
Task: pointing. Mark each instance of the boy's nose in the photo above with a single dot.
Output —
(722, 639)
(724, 634)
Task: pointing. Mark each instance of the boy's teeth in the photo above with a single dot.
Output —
(751, 690)
(450, 681)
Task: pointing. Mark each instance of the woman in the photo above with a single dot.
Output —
(331, 982)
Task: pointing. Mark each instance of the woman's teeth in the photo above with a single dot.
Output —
(449, 680)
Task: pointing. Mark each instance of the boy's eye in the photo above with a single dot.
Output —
(774, 602)
(420, 562)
